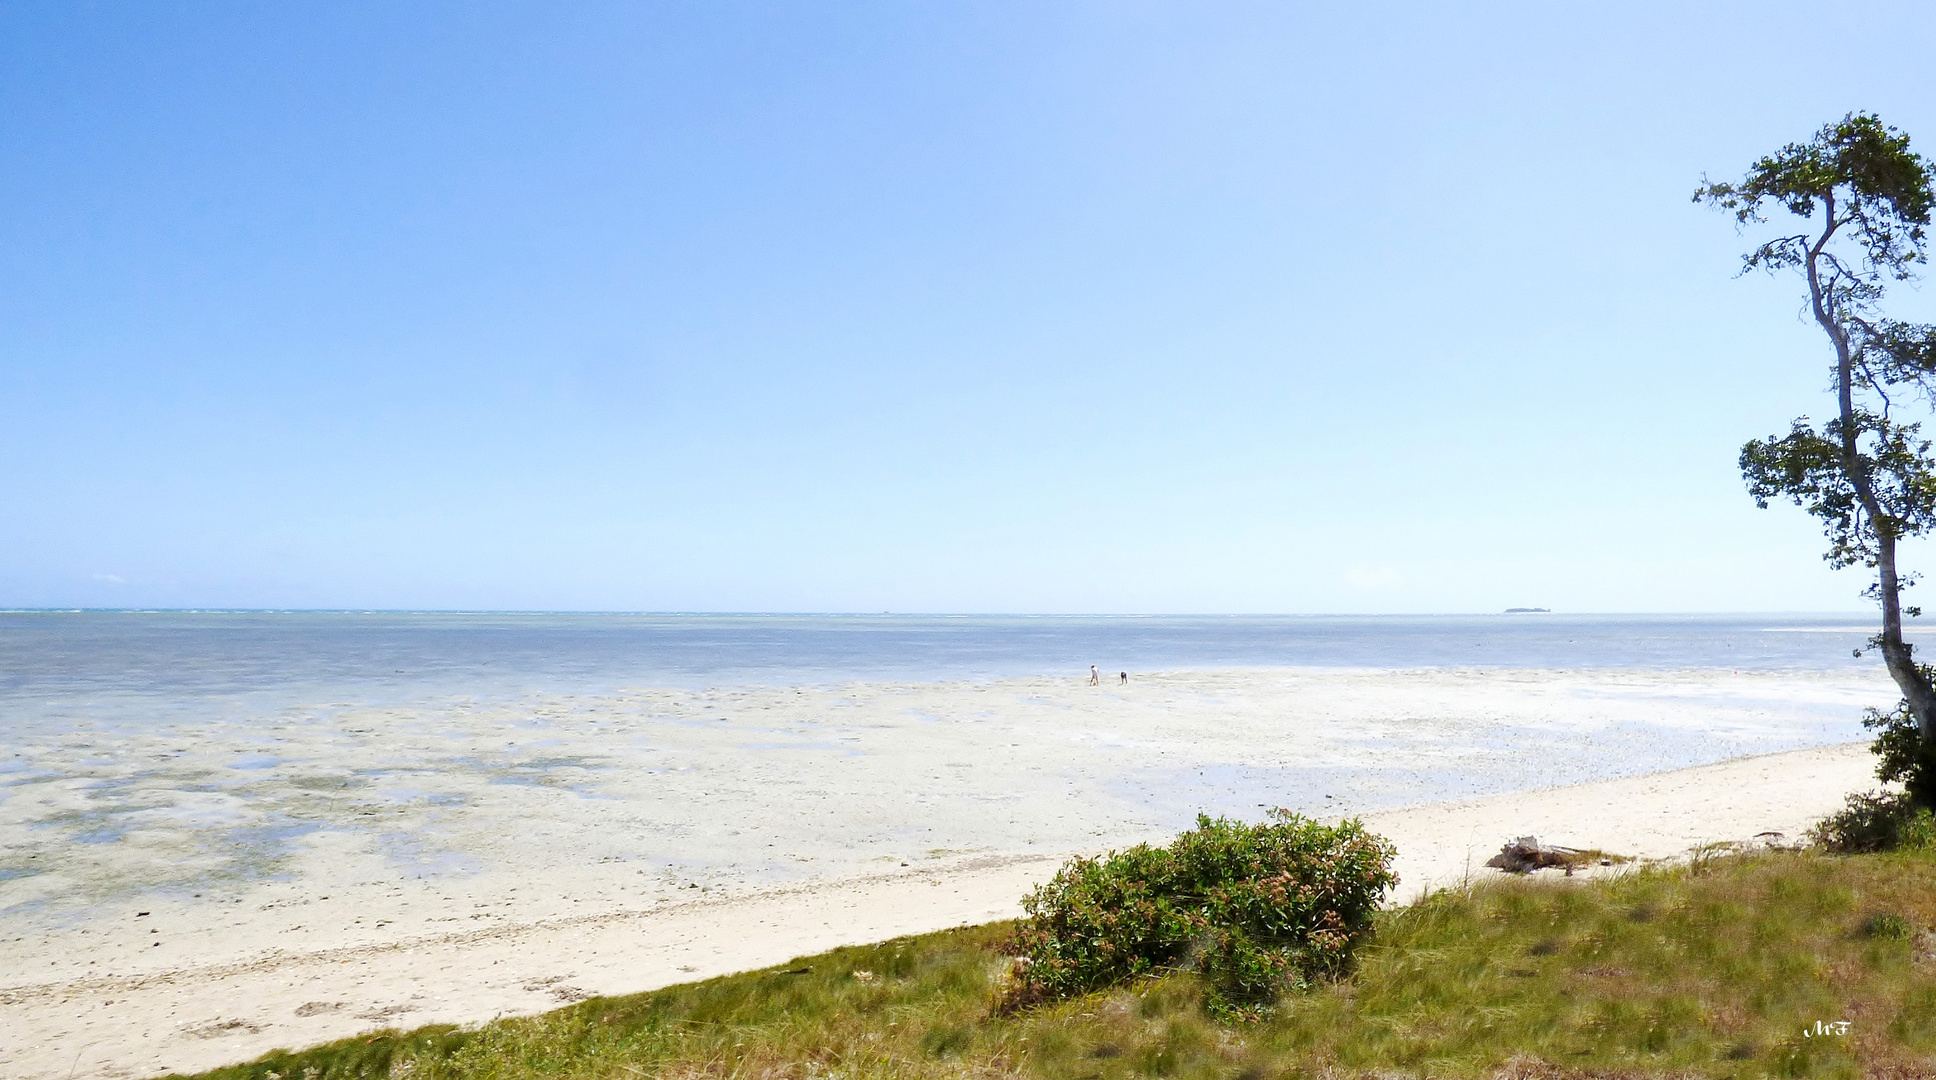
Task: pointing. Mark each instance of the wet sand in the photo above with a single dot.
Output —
(340, 870)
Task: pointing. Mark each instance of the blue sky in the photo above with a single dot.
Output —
(914, 307)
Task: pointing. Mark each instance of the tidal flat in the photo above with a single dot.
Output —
(454, 813)
(171, 856)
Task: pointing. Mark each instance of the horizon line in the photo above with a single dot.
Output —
(224, 610)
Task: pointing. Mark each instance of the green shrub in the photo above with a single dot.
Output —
(1257, 910)
(1877, 821)
(1901, 756)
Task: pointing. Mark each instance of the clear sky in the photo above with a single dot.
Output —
(1087, 307)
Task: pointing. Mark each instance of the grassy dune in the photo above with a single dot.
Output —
(1712, 969)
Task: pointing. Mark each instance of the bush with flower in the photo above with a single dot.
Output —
(1257, 910)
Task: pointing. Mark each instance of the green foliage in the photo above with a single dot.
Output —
(1258, 910)
(1807, 467)
(1652, 973)
(1877, 822)
(1862, 175)
(1888, 926)
(1903, 756)
(1867, 198)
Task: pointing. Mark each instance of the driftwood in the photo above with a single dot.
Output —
(1526, 854)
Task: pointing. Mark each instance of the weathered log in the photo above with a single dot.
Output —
(1526, 854)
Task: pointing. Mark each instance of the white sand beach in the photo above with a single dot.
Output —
(456, 864)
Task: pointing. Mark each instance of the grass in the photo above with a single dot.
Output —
(1713, 969)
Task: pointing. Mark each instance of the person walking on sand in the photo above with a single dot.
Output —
(1125, 676)
(1095, 677)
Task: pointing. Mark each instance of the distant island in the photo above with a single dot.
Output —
(1529, 611)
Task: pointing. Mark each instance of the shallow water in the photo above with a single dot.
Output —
(170, 753)
(144, 667)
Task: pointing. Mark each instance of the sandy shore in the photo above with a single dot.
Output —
(796, 820)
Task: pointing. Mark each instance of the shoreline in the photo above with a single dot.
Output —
(189, 1018)
(338, 825)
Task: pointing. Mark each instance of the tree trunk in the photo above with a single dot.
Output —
(1897, 654)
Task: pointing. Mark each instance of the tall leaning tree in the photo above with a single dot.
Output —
(1853, 205)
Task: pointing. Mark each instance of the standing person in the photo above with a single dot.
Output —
(1125, 676)
(1095, 677)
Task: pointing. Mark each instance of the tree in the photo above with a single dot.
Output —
(1860, 201)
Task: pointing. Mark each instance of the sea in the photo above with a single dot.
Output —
(137, 668)
(149, 753)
